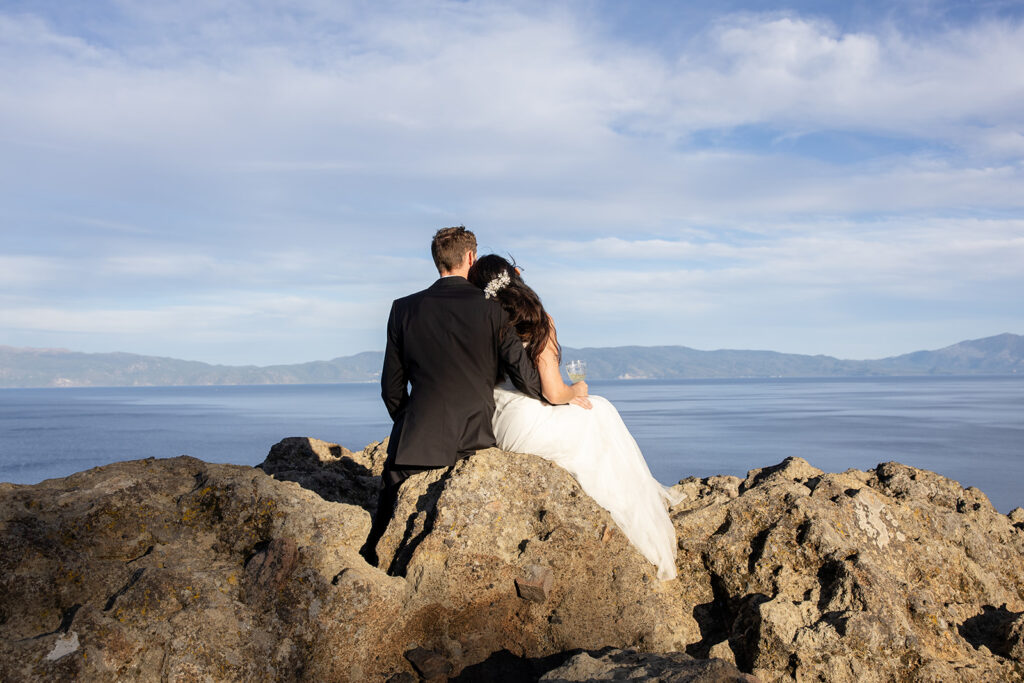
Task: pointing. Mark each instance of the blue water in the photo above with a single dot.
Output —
(970, 429)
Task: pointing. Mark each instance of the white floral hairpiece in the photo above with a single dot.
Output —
(497, 284)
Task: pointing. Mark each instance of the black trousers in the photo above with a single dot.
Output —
(391, 480)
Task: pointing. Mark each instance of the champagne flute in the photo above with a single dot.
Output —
(577, 370)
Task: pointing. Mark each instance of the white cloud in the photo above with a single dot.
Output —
(523, 78)
(244, 328)
(795, 75)
(257, 164)
(526, 109)
(826, 273)
(18, 272)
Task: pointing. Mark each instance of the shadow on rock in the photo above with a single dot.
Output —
(608, 663)
(331, 471)
(998, 629)
(505, 667)
(426, 503)
(726, 625)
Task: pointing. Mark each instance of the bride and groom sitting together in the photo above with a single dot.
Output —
(482, 358)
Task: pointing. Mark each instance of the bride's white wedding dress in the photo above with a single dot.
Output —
(597, 449)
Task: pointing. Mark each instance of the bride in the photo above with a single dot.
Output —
(581, 433)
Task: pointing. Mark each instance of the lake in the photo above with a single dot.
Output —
(967, 428)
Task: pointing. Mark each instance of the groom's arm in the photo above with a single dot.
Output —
(393, 382)
(518, 366)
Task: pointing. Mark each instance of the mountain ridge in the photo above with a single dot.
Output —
(22, 367)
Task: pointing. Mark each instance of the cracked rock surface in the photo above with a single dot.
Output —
(182, 570)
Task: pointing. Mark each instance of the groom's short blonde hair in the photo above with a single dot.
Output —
(449, 247)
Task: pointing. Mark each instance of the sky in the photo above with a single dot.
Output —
(253, 182)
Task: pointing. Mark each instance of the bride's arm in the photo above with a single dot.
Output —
(554, 389)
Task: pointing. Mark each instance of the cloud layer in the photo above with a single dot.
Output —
(240, 182)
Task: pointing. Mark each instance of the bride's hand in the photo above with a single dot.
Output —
(582, 402)
(579, 390)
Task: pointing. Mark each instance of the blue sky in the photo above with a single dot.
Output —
(253, 181)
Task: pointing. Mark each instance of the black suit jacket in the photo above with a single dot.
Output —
(447, 342)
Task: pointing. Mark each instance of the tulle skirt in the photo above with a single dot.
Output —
(597, 449)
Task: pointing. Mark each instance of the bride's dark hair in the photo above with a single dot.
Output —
(525, 311)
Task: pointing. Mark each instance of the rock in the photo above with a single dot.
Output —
(64, 646)
(464, 535)
(818, 576)
(270, 567)
(334, 472)
(722, 651)
(535, 584)
(1013, 639)
(996, 630)
(427, 663)
(790, 469)
(170, 569)
(179, 569)
(617, 665)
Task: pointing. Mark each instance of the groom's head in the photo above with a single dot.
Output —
(454, 250)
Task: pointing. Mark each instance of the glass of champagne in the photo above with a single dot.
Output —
(577, 370)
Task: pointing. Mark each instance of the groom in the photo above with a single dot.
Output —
(450, 344)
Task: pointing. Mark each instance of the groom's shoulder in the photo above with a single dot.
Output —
(448, 295)
(447, 288)
(412, 298)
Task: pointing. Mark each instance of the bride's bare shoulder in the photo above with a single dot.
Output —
(550, 352)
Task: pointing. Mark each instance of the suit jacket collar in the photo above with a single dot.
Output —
(453, 281)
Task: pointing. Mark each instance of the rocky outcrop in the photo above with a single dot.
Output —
(332, 471)
(177, 570)
(892, 574)
(501, 568)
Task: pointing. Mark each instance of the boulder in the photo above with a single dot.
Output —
(514, 556)
(501, 568)
(332, 471)
(178, 569)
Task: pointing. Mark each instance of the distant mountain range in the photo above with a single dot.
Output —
(21, 367)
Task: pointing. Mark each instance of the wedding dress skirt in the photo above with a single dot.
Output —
(597, 449)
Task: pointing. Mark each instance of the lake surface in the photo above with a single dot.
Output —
(969, 428)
